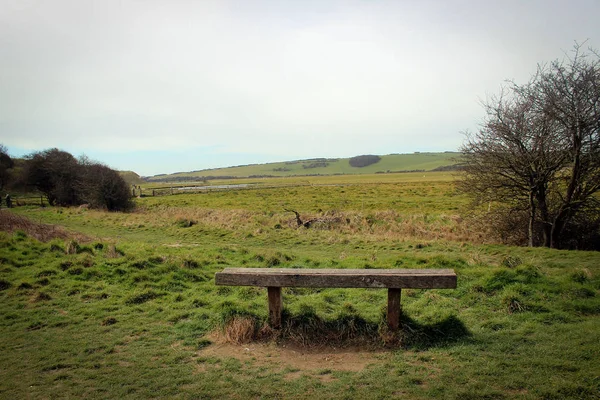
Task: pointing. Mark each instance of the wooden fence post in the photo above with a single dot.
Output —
(393, 309)
(275, 306)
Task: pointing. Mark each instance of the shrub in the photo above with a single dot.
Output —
(67, 181)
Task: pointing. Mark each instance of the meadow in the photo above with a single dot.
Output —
(114, 305)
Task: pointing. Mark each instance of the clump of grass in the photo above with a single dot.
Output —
(581, 275)
(191, 264)
(75, 271)
(20, 236)
(85, 249)
(512, 302)
(109, 321)
(202, 343)
(114, 252)
(41, 296)
(56, 247)
(4, 285)
(240, 330)
(198, 303)
(272, 261)
(72, 247)
(143, 297)
(24, 286)
(65, 265)
(185, 222)
(43, 282)
(526, 274)
(511, 262)
(45, 272)
(87, 261)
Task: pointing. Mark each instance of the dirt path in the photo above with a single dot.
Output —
(296, 358)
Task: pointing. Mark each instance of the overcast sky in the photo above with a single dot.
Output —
(165, 86)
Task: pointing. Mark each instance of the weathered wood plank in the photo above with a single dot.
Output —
(338, 278)
(275, 306)
(394, 309)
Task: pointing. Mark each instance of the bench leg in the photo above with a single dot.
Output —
(275, 306)
(393, 309)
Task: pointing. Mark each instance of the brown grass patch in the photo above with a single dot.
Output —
(10, 222)
(239, 330)
(310, 333)
(386, 224)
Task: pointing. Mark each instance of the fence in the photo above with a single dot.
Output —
(187, 189)
(18, 201)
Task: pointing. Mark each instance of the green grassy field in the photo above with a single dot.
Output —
(125, 306)
(388, 163)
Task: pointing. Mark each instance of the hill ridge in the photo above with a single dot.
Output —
(390, 163)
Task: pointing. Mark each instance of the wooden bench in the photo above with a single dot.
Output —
(392, 279)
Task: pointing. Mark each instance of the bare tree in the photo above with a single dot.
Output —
(538, 149)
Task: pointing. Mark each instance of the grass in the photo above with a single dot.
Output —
(126, 305)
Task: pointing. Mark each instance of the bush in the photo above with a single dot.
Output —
(67, 181)
(104, 188)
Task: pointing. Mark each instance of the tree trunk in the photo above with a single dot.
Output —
(532, 211)
(544, 216)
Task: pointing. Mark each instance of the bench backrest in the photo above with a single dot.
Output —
(338, 278)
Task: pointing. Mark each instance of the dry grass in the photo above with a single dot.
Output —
(310, 332)
(386, 224)
(239, 330)
(10, 222)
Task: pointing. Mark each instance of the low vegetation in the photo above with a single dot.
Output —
(127, 307)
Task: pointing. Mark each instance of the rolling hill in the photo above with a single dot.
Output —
(131, 177)
(320, 166)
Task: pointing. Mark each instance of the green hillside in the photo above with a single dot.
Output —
(324, 166)
(131, 177)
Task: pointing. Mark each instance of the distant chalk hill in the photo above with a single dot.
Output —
(363, 164)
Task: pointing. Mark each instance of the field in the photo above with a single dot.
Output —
(112, 305)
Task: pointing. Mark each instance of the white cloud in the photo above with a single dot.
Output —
(295, 79)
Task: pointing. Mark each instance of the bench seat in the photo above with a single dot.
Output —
(392, 279)
(338, 278)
